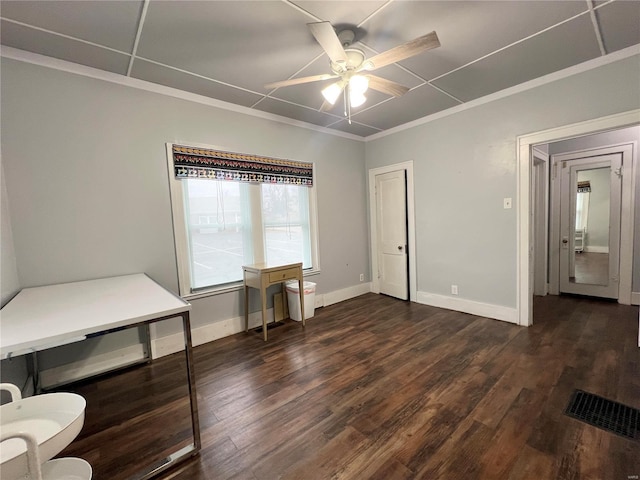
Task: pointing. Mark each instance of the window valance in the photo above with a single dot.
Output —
(190, 162)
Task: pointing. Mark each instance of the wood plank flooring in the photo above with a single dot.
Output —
(376, 388)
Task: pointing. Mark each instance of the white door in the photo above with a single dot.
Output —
(391, 223)
(590, 200)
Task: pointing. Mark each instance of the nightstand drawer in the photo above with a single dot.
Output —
(283, 275)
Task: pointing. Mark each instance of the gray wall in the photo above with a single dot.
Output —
(607, 139)
(87, 181)
(9, 283)
(465, 164)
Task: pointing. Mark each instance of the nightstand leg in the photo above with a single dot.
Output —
(246, 308)
(264, 313)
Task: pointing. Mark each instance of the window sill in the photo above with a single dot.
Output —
(232, 288)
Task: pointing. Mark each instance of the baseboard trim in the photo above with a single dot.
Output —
(213, 331)
(635, 298)
(497, 312)
(345, 294)
(163, 346)
(72, 372)
(596, 249)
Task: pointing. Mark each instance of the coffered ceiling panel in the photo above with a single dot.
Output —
(417, 103)
(340, 13)
(355, 128)
(245, 44)
(467, 29)
(162, 75)
(620, 24)
(229, 50)
(55, 46)
(294, 111)
(109, 23)
(570, 43)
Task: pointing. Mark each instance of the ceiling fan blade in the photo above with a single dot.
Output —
(328, 40)
(298, 81)
(406, 50)
(387, 86)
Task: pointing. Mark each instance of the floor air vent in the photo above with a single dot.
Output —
(605, 414)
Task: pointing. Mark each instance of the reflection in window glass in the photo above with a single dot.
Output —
(285, 219)
(230, 224)
(218, 224)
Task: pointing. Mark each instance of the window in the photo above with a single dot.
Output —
(222, 224)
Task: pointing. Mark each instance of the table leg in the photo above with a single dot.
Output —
(195, 424)
(246, 308)
(263, 297)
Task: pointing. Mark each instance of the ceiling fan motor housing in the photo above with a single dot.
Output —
(355, 57)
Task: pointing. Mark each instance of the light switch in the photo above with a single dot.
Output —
(507, 202)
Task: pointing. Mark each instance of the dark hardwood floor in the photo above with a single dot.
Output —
(376, 388)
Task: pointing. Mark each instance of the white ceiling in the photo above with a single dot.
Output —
(228, 50)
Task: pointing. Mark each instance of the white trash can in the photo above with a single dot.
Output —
(293, 299)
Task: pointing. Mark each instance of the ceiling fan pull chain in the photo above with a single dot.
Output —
(344, 97)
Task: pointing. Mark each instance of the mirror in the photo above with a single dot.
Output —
(589, 260)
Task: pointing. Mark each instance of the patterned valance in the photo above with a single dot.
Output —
(192, 162)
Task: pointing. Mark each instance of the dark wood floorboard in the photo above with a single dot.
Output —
(376, 388)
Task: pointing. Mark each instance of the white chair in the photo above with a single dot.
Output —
(34, 468)
(58, 469)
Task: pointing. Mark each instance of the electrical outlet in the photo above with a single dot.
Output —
(362, 277)
(454, 289)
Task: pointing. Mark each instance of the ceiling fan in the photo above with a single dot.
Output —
(350, 65)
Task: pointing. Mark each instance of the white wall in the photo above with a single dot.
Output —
(87, 181)
(9, 283)
(13, 370)
(465, 164)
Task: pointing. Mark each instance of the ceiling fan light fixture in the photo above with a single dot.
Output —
(356, 99)
(368, 65)
(332, 92)
(358, 84)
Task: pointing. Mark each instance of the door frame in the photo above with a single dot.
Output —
(524, 164)
(540, 221)
(411, 225)
(625, 262)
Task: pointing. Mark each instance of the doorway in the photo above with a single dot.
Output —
(525, 268)
(392, 231)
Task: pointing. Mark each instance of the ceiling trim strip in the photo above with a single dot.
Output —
(143, 16)
(596, 27)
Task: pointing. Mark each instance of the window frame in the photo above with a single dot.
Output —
(181, 239)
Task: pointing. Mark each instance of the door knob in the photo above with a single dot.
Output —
(564, 240)
(400, 247)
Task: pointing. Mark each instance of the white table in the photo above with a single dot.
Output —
(43, 317)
